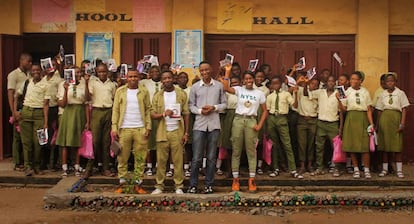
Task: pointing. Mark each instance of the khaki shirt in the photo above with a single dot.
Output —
(76, 93)
(377, 95)
(158, 106)
(53, 82)
(397, 100)
(36, 93)
(357, 100)
(152, 86)
(102, 93)
(285, 100)
(262, 88)
(307, 106)
(328, 106)
(119, 107)
(231, 101)
(16, 78)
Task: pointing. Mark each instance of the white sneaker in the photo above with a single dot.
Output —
(156, 191)
(170, 173)
(187, 173)
(149, 172)
(179, 191)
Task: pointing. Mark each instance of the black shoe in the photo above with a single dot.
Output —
(192, 190)
(28, 172)
(208, 190)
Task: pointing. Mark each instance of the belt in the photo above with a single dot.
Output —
(308, 117)
(327, 121)
(32, 108)
(246, 116)
(276, 114)
(102, 108)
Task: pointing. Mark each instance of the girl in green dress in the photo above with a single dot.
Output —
(392, 105)
(358, 120)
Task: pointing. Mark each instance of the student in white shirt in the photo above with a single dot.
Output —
(245, 126)
(392, 105)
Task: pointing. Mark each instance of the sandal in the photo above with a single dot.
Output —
(350, 169)
(295, 174)
(400, 174)
(356, 175)
(367, 175)
(259, 171)
(65, 173)
(336, 173)
(317, 172)
(275, 173)
(219, 172)
(383, 173)
(18, 168)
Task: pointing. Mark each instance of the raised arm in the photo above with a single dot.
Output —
(226, 80)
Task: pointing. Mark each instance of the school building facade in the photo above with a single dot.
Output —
(374, 36)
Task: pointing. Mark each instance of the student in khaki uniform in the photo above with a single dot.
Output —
(392, 104)
(228, 125)
(153, 84)
(277, 104)
(358, 119)
(182, 83)
(50, 152)
(101, 93)
(245, 125)
(327, 125)
(131, 125)
(260, 84)
(16, 79)
(306, 126)
(33, 117)
(74, 119)
(170, 107)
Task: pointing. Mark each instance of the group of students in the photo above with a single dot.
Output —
(160, 116)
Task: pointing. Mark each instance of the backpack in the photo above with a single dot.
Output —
(20, 99)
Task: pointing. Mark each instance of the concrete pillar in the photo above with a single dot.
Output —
(371, 44)
(11, 17)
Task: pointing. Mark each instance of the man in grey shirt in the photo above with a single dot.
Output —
(207, 98)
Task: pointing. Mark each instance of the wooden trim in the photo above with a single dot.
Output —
(274, 37)
(1, 98)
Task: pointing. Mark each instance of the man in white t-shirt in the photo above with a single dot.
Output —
(131, 125)
(170, 107)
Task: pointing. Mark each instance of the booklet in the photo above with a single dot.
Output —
(154, 60)
(301, 64)
(341, 91)
(311, 73)
(42, 136)
(69, 60)
(140, 67)
(253, 65)
(61, 54)
(112, 65)
(123, 71)
(89, 69)
(176, 67)
(69, 76)
(147, 58)
(46, 64)
(176, 109)
(338, 59)
(291, 81)
(146, 68)
(229, 58)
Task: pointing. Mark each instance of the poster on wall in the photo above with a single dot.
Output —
(188, 47)
(97, 45)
